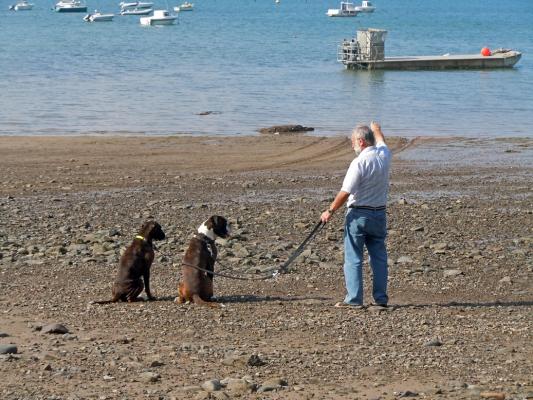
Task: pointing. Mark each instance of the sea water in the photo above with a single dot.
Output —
(250, 64)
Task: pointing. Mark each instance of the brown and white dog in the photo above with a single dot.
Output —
(196, 286)
(134, 265)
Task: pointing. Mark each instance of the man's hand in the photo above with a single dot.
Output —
(326, 216)
(376, 128)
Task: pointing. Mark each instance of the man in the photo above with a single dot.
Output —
(365, 187)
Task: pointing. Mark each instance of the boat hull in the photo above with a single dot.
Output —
(23, 7)
(365, 9)
(467, 61)
(339, 13)
(150, 21)
(71, 9)
(99, 18)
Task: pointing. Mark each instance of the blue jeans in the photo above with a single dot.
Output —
(365, 228)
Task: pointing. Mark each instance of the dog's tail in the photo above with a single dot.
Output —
(101, 301)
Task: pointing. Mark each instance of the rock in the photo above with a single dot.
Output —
(8, 349)
(255, 361)
(452, 272)
(239, 386)
(433, 343)
(404, 260)
(149, 376)
(272, 384)
(156, 363)
(279, 129)
(506, 279)
(211, 386)
(3, 334)
(440, 246)
(492, 395)
(407, 393)
(54, 328)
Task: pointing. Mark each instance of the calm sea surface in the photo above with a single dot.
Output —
(256, 64)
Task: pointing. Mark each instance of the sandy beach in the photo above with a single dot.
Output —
(460, 243)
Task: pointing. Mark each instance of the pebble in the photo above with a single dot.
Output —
(272, 384)
(149, 376)
(452, 272)
(212, 385)
(433, 343)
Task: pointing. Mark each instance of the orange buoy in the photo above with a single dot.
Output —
(485, 51)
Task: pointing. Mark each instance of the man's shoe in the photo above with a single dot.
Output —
(378, 307)
(342, 304)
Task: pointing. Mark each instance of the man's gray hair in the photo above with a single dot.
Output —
(365, 133)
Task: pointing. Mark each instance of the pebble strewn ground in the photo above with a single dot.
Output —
(460, 246)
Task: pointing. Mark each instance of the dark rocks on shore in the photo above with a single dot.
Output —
(281, 129)
(54, 328)
(8, 349)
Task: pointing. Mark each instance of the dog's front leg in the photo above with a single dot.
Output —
(146, 277)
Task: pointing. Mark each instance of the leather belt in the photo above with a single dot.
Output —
(380, 208)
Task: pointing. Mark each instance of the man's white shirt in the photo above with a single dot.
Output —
(367, 179)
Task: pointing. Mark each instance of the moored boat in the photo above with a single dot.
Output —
(367, 51)
(135, 4)
(98, 17)
(22, 6)
(347, 10)
(136, 11)
(185, 7)
(70, 6)
(365, 7)
(160, 17)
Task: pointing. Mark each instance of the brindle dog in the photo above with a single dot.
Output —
(196, 286)
(134, 265)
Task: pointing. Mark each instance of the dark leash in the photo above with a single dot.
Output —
(284, 268)
(281, 270)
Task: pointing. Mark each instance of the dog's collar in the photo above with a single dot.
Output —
(140, 238)
(204, 238)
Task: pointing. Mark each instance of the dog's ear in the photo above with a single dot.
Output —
(152, 229)
(157, 232)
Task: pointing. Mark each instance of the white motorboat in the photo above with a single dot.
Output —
(160, 17)
(98, 17)
(346, 10)
(185, 7)
(136, 11)
(22, 6)
(365, 7)
(135, 4)
(70, 6)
